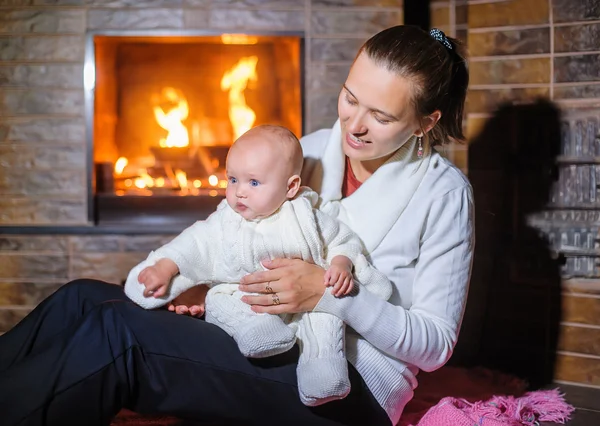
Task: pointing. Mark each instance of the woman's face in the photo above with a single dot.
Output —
(376, 112)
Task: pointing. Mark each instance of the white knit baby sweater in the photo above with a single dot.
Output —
(225, 247)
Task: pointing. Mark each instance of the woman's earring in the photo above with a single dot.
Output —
(420, 149)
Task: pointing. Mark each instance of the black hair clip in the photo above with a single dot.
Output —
(441, 37)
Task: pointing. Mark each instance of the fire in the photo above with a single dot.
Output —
(235, 80)
(171, 109)
(120, 165)
(172, 119)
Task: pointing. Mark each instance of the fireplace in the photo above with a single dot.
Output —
(164, 110)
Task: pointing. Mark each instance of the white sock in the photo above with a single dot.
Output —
(257, 335)
(322, 368)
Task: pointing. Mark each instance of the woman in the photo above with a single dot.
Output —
(87, 351)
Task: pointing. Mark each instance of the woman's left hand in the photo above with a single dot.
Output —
(297, 286)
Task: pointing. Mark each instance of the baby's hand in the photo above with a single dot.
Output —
(156, 278)
(339, 275)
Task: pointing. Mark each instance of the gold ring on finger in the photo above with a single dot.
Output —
(276, 300)
(268, 288)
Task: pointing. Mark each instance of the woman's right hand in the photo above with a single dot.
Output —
(297, 286)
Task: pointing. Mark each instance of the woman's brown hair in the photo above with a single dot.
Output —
(439, 74)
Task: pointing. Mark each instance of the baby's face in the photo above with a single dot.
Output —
(257, 179)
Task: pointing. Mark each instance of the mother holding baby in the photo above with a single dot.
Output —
(87, 351)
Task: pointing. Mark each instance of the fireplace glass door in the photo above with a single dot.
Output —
(167, 109)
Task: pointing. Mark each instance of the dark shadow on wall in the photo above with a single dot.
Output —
(513, 312)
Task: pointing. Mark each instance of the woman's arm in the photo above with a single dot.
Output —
(423, 335)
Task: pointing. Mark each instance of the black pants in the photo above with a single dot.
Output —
(87, 351)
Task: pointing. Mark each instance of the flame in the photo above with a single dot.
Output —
(235, 80)
(171, 120)
(120, 165)
(213, 180)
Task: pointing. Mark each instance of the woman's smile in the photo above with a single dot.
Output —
(355, 142)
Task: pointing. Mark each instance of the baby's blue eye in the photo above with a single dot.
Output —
(254, 182)
(232, 179)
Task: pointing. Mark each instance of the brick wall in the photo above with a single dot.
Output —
(521, 50)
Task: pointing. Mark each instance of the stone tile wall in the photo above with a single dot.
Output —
(42, 125)
(32, 267)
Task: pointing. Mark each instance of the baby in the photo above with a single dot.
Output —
(266, 215)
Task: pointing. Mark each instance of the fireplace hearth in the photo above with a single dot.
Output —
(165, 109)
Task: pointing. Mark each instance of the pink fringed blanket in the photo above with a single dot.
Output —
(528, 410)
(461, 397)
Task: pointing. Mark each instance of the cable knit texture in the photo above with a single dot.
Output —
(257, 335)
(415, 219)
(222, 249)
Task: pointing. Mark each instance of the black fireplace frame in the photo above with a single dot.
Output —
(156, 212)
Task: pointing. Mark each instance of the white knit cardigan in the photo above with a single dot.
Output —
(415, 218)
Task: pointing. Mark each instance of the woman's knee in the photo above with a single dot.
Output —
(84, 291)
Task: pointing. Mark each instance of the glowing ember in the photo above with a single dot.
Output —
(139, 183)
(147, 179)
(181, 178)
